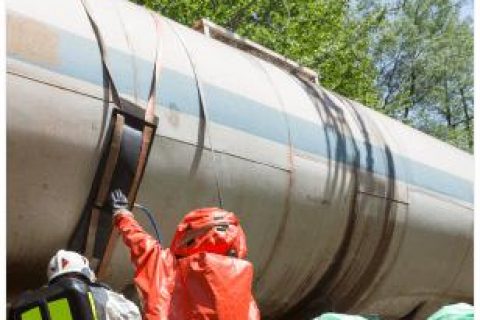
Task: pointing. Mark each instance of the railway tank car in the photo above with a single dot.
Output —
(344, 209)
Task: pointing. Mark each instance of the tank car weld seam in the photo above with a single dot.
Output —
(383, 197)
(287, 201)
(204, 116)
(21, 75)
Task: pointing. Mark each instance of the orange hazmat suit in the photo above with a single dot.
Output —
(203, 275)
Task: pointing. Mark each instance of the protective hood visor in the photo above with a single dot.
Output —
(209, 230)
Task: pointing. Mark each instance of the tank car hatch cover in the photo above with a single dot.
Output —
(125, 156)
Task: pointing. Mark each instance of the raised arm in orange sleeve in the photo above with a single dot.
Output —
(140, 243)
(154, 272)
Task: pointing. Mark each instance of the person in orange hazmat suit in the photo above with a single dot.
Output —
(203, 275)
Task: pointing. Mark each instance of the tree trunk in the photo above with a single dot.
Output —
(412, 94)
(448, 111)
(468, 119)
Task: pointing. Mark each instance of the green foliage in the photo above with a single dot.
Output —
(410, 59)
(424, 54)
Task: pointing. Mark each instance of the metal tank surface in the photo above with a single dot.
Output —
(344, 209)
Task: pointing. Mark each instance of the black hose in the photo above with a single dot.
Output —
(152, 220)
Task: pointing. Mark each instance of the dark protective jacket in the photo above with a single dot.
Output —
(73, 298)
(201, 276)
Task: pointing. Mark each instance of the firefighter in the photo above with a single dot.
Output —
(72, 292)
(202, 275)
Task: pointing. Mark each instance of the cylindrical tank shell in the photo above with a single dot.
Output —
(344, 209)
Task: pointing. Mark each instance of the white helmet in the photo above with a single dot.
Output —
(64, 262)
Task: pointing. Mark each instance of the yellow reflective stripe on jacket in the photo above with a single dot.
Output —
(32, 314)
(92, 305)
(59, 310)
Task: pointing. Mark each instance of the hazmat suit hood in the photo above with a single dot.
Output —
(211, 230)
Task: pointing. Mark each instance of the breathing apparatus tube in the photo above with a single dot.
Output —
(149, 214)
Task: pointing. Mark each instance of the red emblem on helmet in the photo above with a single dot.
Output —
(64, 263)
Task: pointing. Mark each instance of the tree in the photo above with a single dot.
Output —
(424, 55)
